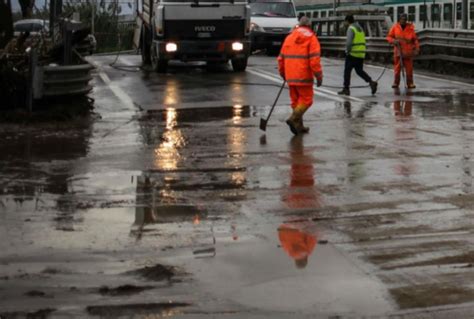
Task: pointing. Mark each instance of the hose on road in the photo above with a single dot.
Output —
(137, 68)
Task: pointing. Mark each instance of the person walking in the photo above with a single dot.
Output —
(355, 55)
(299, 63)
(403, 37)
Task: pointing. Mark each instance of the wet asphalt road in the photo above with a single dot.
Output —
(169, 201)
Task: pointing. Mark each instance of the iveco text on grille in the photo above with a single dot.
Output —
(205, 28)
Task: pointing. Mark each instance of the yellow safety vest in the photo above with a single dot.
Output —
(358, 48)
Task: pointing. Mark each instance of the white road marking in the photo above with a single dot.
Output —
(118, 92)
(439, 78)
(319, 91)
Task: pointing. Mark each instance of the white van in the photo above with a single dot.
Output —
(271, 22)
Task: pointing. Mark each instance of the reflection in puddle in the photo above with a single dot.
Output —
(167, 153)
(296, 243)
(302, 192)
(404, 137)
(402, 108)
(236, 141)
(205, 114)
(171, 96)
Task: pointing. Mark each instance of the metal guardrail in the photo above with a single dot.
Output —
(374, 45)
(436, 44)
(60, 81)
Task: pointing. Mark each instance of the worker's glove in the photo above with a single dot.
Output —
(396, 42)
(416, 52)
(319, 81)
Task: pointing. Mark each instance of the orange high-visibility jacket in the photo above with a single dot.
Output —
(300, 57)
(408, 39)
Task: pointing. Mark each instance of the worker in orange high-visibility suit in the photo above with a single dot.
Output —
(403, 35)
(299, 63)
(297, 243)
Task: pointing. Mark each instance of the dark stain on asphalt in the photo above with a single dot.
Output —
(123, 290)
(35, 293)
(38, 314)
(155, 273)
(132, 310)
(465, 258)
(418, 296)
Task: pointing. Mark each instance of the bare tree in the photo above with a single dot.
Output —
(27, 8)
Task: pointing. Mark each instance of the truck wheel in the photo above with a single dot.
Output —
(145, 46)
(158, 65)
(239, 65)
(273, 51)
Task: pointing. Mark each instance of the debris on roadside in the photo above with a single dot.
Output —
(35, 67)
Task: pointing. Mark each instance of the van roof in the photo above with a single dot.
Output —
(254, 1)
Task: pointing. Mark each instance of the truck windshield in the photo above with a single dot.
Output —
(272, 9)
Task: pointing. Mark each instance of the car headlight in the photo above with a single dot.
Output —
(255, 27)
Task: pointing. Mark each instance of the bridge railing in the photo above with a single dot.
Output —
(436, 44)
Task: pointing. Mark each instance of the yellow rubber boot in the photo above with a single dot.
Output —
(293, 122)
(300, 110)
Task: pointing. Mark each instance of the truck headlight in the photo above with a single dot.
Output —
(237, 46)
(171, 47)
(255, 27)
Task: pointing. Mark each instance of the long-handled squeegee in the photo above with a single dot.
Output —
(263, 123)
(402, 65)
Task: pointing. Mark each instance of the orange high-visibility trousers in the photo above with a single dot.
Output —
(301, 95)
(408, 66)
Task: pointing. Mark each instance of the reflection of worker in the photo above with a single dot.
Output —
(297, 243)
(402, 35)
(302, 192)
(355, 55)
(404, 137)
(298, 63)
(402, 108)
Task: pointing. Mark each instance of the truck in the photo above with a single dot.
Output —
(214, 31)
(271, 21)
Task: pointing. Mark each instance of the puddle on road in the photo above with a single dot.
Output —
(433, 103)
(198, 115)
(288, 271)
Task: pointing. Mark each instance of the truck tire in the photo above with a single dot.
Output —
(158, 65)
(145, 47)
(239, 65)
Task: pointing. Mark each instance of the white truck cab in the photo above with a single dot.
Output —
(214, 31)
(271, 22)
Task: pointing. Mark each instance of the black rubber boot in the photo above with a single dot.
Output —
(292, 122)
(345, 91)
(373, 87)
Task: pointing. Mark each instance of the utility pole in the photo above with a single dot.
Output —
(93, 18)
(425, 15)
(55, 10)
(454, 14)
(464, 13)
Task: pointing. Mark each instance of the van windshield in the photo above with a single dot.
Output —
(272, 9)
